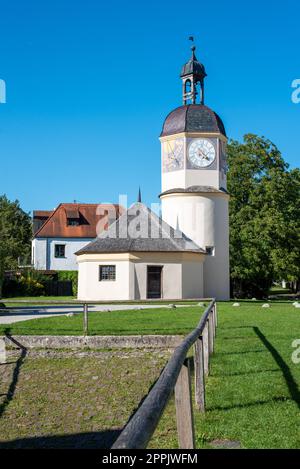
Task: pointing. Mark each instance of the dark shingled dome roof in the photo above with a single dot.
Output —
(156, 235)
(192, 118)
(193, 67)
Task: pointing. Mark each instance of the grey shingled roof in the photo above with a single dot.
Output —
(192, 118)
(122, 237)
(194, 189)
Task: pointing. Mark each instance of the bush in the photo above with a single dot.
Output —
(23, 286)
(246, 289)
(31, 286)
(33, 283)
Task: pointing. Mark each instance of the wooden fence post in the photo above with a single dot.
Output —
(216, 314)
(199, 374)
(205, 349)
(215, 319)
(212, 317)
(184, 409)
(210, 334)
(85, 319)
(2, 350)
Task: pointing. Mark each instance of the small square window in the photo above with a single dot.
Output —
(210, 250)
(107, 272)
(59, 250)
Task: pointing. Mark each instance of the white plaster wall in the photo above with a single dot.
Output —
(216, 268)
(181, 278)
(192, 280)
(44, 249)
(39, 253)
(194, 215)
(69, 261)
(171, 279)
(172, 179)
(90, 288)
(208, 177)
(204, 218)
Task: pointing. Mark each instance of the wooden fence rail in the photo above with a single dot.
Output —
(176, 377)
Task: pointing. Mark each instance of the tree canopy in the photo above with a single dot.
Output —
(15, 235)
(264, 217)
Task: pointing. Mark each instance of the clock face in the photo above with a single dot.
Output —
(201, 153)
(173, 155)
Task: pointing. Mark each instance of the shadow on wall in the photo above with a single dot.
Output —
(137, 293)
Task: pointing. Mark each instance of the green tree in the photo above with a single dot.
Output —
(264, 217)
(15, 235)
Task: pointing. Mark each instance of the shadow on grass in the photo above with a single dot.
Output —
(249, 404)
(287, 374)
(90, 440)
(244, 373)
(15, 377)
(242, 352)
(282, 367)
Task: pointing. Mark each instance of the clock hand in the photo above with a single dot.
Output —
(203, 154)
(174, 157)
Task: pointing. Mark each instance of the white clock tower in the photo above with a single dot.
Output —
(194, 194)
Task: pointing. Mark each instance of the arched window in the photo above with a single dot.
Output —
(187, 86)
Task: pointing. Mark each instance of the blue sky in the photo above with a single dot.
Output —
(89, 84)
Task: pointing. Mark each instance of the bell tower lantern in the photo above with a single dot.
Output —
(193, 75)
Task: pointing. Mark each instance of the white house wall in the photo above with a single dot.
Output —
(91, 289)
(182, 276)
(43, 250)
(171, 279)
(192, 280)
(39, 253)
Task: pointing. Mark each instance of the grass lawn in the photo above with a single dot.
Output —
(252, 393)
(130, 322)
(69, 300)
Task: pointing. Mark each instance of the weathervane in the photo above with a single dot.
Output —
(191, 38)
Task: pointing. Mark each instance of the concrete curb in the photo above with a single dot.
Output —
(93, 342)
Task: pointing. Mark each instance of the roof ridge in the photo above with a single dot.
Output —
(92, 204)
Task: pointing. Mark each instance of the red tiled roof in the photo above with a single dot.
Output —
(39, 217)
(42, 213)
(93, 218)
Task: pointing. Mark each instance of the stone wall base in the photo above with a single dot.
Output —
(93, 342)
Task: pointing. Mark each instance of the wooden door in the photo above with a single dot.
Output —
(154, 281)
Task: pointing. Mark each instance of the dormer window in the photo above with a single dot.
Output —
(73, 222)
(73, 216)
